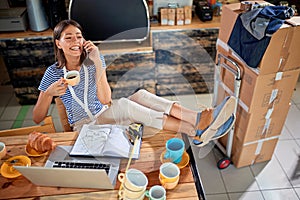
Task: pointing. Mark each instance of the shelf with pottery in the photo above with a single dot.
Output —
(195, 24)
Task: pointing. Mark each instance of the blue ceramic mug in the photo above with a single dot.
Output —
(174, 150)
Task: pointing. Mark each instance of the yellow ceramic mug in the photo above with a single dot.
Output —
(169, 175)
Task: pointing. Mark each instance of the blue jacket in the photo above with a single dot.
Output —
(252, 32)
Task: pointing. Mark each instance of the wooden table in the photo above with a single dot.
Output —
(189, 186)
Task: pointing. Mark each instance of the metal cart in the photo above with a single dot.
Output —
(236, 71)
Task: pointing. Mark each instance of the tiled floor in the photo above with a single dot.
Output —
(276, 179)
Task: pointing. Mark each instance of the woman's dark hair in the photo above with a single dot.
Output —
(59, 54)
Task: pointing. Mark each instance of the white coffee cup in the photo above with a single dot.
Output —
(156, 192)
(134, 180)
(72, 77)
(126, 193)
(3, 150)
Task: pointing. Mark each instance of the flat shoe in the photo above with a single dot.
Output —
(217, 117)
(212, 134)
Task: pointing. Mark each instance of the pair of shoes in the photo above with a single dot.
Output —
(211, 134)
(211, 120)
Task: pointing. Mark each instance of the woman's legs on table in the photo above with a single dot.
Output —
(208, 124)
(125, 111)
(170, 108)
(161, 113)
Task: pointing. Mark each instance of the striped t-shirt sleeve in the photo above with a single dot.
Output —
(51, 75)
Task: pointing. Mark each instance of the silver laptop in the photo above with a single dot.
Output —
(56, 173)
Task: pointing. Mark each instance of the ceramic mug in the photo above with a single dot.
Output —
(133, 180)
(169, 174)
(156, 192)
(124, 198)
(3, 150)
(174, 150)
(72, 77)
(126, 194)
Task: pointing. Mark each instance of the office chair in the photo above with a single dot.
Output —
(111, 21)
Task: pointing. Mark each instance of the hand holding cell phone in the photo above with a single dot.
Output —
(92, 51)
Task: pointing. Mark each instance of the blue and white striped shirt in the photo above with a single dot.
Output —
(74, 110)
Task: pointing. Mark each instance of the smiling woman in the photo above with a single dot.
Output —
(70, 51)
(90, 100)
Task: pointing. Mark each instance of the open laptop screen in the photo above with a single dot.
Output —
(68, 177)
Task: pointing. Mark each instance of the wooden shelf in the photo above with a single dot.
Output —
(196, 24)
(26, 34)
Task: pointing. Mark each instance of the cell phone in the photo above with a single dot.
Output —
(87, 61)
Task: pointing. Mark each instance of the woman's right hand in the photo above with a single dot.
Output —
(57, 88)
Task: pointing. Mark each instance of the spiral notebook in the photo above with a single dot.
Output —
(105, 141)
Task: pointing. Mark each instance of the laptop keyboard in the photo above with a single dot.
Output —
(80, 165)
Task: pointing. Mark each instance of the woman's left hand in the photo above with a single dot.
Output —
(92, 51)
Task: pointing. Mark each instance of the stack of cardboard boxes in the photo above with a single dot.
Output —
(176, 16)
(265, 92)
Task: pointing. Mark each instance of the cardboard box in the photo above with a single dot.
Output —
(250, 127)
(255, 126)
(187, 14)
(282, 51)
(179, 19)
(259, 92)
(157, 4)
(171, 16)
(254, 133)
(164, 16)
(179, 16)
(255, 152)
(163, 19)
(229, 15)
